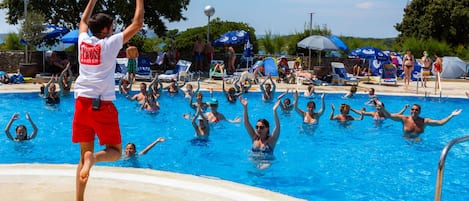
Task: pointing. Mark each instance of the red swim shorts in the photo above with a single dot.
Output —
(88, 122)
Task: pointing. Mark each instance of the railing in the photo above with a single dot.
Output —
(441, 165)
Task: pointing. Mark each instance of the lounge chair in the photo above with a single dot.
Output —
(340, 74)
(121, 69)
(216, 74)
(389, 74)
(144, 69)
(180, 71)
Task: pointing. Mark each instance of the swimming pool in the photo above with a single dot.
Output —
(362, 161)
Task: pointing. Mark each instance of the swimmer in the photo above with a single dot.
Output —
(286, 104)
(414, 125)
(262, 140)
(202, 129)
(344, 114)
(21, 132)
(268, 89)
(309, 117)
(131, 150)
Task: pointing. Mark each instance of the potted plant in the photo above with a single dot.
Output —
(31, 32)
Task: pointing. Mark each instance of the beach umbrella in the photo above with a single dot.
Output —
(248, 52)
(237, 37)
(50, 32)
(369, 52)
(338, 42)
(319, 43)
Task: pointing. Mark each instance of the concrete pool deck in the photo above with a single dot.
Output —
(32, 182)
(25, 182)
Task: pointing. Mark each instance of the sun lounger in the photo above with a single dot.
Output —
(340, 74)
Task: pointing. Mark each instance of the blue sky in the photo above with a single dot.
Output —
(358, 18)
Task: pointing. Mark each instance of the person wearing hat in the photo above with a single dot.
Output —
(214, 116)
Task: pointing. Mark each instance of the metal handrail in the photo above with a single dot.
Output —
(441, 165)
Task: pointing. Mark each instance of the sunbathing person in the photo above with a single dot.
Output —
(219, 67)
(309, 116)
(21, 132)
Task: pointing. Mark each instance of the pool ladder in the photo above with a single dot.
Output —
(441, 164)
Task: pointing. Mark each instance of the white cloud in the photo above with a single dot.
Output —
(365, 5)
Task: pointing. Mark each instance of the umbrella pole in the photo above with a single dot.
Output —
(309, 66)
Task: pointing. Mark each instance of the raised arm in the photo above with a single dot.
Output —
(440, 122)
(46, 89)
(332, 112)
(85, 18)
(274, 86)
(403, 109)
(137, 22)
(395, 117)
(247, 125)
(7, 128)
(61, 78)
(276, 131)
(295, 104)
(33, 125)
(323, 105)
(150, 146)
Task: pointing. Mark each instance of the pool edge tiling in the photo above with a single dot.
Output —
(24, 182)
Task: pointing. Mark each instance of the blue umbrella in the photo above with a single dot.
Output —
(50, 32)
(369, 52)
(237, 37)
(338, 42)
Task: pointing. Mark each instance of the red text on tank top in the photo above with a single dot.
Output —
(90, 54)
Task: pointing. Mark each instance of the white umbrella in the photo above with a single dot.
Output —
(317, 42)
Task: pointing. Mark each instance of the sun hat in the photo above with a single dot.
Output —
(212, 101)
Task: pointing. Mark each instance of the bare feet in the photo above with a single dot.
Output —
(88, 162)
(467, 94)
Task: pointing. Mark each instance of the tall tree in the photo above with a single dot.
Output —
(68, 12)
(442, 20)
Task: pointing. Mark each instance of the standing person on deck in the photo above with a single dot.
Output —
(132, 55)
(95, 113)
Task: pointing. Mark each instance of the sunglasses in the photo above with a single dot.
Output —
(260, 127)
(414, 109)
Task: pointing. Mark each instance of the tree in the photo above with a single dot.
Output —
(31, 31)
(442, 20)
(67, 12)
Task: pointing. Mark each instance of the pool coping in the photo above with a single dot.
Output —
(24, 182)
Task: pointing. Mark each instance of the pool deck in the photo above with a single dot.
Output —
(24, 182)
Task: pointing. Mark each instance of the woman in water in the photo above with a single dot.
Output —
(21, 132)
(309, 117)
(262, 140)
(131, 150)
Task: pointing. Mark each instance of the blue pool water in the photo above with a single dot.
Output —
(362, 161)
